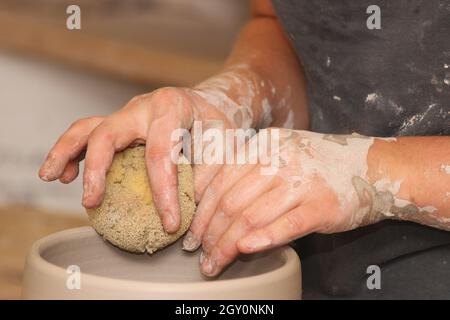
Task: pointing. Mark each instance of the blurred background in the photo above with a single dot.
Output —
(50, 76)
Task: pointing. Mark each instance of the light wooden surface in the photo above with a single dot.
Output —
(20, 227)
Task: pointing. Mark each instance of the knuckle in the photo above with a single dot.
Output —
(136, 100)
(53, 155)
(208, 240)
(101, 133)
(249, 219)
(174, 99)
(198, 226)
(227, 207)
(81, 123)
(213, 190)
(93, 119)
(295, 221)
(169, 91)
(163, 198)
(269, 234)
(165, 94)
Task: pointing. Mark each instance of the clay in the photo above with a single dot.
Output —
(378, 201)
(373, 204)
(77, 264)
(342, 138)
(127, 216)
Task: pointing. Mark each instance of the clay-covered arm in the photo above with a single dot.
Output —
(416, 171)
(262, 83)
(321, 183)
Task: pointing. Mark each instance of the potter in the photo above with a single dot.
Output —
(362, 155)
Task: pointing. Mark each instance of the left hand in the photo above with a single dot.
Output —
(312, 190)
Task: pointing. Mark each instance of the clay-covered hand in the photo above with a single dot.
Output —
(317, 183)
(152, 119)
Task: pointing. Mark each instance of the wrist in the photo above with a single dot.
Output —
(389, 171)
(417, 166)
(396, 166)
(242, 94)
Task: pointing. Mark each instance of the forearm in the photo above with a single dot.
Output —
(416, 170)
(263, 77)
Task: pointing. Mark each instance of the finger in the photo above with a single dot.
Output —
(162, 172)
(262, 212)
(222, 182)
(72, 169)
(295, 224)
(67, 148)
(203, 175)
(248, 189)
(206, 169)
(114, 134)
(171, 113)
(70, 172)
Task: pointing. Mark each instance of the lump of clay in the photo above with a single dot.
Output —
(127, 216)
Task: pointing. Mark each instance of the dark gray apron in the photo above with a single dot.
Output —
(389, 82)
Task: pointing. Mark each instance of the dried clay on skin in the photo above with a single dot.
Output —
(370, 203)
(253, 102)
(348, 152)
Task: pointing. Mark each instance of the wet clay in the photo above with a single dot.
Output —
(342, 139)
(127, 217)
(375, 205)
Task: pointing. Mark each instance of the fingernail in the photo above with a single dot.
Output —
(256, 242)
(190, 242)
(44, 176)
(170, 222)
(208, 265)
(44, 173)
(49, 168)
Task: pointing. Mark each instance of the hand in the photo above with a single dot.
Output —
(317, 187)
(151, 119)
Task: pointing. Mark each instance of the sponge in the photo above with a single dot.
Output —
(127, 217)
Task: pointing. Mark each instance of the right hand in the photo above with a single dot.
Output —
(149, 118)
